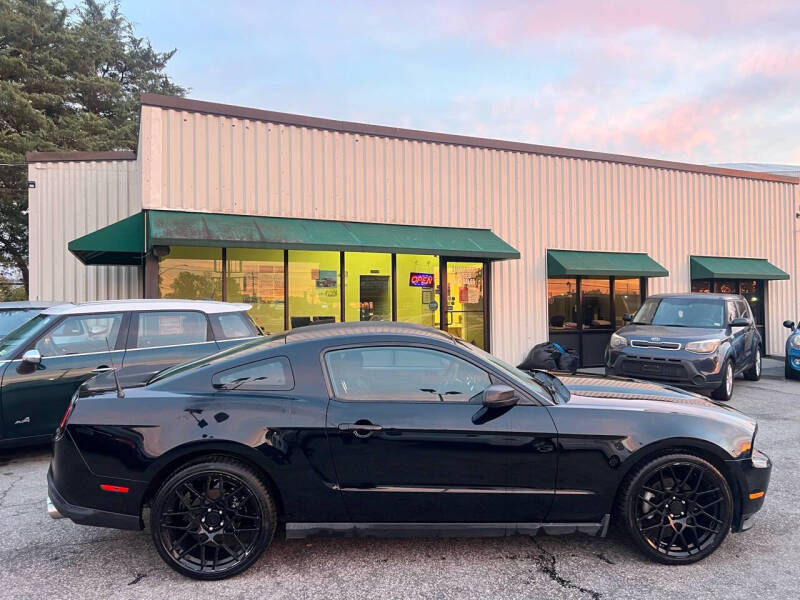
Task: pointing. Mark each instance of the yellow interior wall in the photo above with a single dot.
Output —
(305, 298)
(364, 263)
(409, 298)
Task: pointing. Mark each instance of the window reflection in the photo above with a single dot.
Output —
(596, 303)
(191, 273)
(313, 288)
(368, 286)
(562, 303)
(627, 298)
(256, 277)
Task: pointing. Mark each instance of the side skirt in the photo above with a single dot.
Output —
(303, 530)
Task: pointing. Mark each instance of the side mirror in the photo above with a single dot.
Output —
(499, 396)
(627, 317)
(740, 322)
(32, 357)
(789, 325)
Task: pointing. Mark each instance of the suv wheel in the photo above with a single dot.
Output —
(725, 389)
(754, 372)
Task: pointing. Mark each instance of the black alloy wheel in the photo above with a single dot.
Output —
(212, 519)
(677, 508)
(754, 372)
(725, 389)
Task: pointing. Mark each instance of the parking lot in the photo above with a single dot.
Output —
(47, 558)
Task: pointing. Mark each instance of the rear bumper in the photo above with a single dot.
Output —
(58, 507)
(752, 476)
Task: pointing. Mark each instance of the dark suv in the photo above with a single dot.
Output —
(698, 341)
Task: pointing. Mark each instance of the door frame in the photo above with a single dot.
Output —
(487, 286)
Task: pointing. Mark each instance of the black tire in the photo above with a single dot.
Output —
(789, 372)
(754, 372)
(677, 508)
(225, 517)
(725, 389)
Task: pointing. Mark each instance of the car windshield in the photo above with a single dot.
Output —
(11, 344)
(11, 319)
(538, 389)
(682, 312)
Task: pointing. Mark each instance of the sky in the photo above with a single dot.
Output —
(705, 82)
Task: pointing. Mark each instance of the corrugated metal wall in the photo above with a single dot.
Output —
(71, 199)
(200, 162)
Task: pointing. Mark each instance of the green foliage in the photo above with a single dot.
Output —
(69, 80)
(194, 286)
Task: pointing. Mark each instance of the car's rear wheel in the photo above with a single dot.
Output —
(754, 372)
(725, 389)
(212, 519)
(678, 508)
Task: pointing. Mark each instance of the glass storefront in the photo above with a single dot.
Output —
(191, 273)
(418, 299)
(303, 287)
(313, 288)
(584, 311)
(465, 306)
(367, 286)
(256, 276)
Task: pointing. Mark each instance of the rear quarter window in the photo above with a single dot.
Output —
(231, 326)
(269, 374)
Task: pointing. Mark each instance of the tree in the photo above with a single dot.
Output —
(69, 80)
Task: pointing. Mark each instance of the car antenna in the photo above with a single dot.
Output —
(120, 393)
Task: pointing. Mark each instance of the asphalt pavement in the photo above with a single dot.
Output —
(58, 559)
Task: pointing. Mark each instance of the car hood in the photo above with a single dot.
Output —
(669, 334)
(602, 391)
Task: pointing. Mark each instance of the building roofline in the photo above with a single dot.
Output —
(255, 114)
(33, 157)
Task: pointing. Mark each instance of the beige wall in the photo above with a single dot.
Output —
(199, 162)
(71, 199)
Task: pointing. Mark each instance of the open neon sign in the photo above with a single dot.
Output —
(421, 280)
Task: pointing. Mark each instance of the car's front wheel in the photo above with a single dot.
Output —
(789, 372)
(677, 508)
(212, 519)
(725, 389)
(754, 372)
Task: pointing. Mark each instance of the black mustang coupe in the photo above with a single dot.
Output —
(395, 429)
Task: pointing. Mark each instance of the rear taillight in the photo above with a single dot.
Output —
(68, 412)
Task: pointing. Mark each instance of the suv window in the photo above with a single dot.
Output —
(742, 310)
(404, 374)
(81, 334)
(231, 326)
(171, 328)
(264, 375)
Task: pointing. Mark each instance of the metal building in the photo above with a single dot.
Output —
(315, 220)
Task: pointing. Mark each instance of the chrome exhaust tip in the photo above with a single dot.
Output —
(52, 510)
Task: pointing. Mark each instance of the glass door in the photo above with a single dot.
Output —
(465, 296)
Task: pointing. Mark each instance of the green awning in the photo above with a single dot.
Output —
(121, 243)
(567, 263)
(721, 267)
(116, 242)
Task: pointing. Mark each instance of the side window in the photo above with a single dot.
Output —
(404, 374)
(81, 334)
(743, 310)
(170, 328)
(732, 311)
(263, 375)
(231, 326)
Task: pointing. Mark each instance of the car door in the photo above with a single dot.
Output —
(35, 397)
(737, 337)
(407, 440)
(749, 333)
(158, 339)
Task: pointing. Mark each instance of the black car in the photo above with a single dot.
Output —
(394, 429)
(696, 341)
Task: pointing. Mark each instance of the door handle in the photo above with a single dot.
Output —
(102, 369)
(360, 430)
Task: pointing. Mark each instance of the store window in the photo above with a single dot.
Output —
(418, 289)
(465, 308)
(627, 298)
(256, 277)
(368, 286)
(596, 303)
(313, 288)
(753, 291)
(562, 303)
(191, 273)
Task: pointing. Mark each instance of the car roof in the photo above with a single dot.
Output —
(365, 328)
(700, 294)
(206, 306)
(28, 304)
